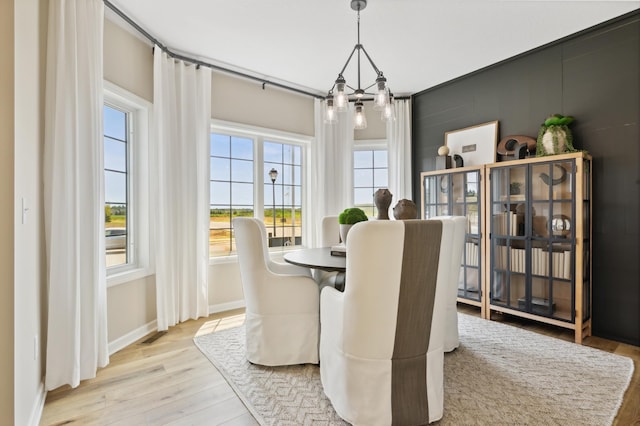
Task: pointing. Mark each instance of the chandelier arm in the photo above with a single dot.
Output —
(370, 61)
(349, 59)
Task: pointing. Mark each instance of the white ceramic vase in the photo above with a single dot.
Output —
(344, 230)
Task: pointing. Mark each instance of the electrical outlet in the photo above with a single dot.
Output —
(35, 348)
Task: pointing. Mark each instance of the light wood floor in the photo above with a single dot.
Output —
(170, 382)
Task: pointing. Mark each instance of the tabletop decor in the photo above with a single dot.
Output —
(348, 218)
(405, 209)
(554, 136)
(382, 199)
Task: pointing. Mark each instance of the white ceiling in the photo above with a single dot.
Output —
(416, 43)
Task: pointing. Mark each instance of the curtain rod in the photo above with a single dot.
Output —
(198, 62)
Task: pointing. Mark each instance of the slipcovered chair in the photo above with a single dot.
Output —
(279, 267)
(329, 236)
(281, 318)
(381, 347)
(451, 336)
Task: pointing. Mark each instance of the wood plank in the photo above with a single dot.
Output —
(179, 385)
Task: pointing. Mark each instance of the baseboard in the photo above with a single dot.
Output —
(152, 326)
(38, 406)
(221, 307)
(131, 337)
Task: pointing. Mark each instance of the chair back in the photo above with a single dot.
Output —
(453, 261)
(253, 256)
(330, 235)
(281, 316)
(387, 327)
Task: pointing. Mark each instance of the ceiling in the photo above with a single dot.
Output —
(416, 43)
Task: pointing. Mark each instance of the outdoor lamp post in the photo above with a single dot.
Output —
(273, 174)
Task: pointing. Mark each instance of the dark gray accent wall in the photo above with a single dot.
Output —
(593, 75)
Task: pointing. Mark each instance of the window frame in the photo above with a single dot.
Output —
(259, 135)
(369, 145)
(138, 235)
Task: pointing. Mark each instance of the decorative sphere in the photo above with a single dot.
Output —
(443, 150)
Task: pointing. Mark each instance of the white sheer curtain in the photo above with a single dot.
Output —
(180, 188)
(330, 171)
(399, 141)
(73, 194)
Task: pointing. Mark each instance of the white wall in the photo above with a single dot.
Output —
(128, 63)
(6, 214)
(22, 262)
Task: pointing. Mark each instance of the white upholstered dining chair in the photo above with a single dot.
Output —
(451, 335)
(329, 236)
(282, 309)
(381, 347)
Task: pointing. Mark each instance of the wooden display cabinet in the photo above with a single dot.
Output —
(538, 214)
(459, 192)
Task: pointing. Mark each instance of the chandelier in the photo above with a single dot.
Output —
(338, 96)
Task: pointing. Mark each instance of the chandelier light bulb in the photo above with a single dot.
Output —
(330, 114)
(340, 99)
(389, 111)
(382, 95)
(359, 118)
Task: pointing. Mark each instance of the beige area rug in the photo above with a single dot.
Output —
(500, 375)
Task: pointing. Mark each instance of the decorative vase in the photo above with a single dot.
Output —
(382, 199)
(344, 230)
(405, 209)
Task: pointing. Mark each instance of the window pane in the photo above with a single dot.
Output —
(297, 155)
(287, 174)
(362, 159)
(220, 193)
(220, 145)
(363, 178)
(362, 196)
(115, 187)
(297, 200)
(297, 175)
(115, 123)
(220, 169)
(380, 158)
(241, 171)
(272, 152)
(242, 194)
(115, 155)
(242, 148)
(380, 178)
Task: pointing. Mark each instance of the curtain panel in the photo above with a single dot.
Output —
(331, 170)
(399, 142)
(74, 194)
(180, 188)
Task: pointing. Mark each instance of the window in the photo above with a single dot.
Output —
(231, 189)
(283, 194)
(125, 184)
(116, 184)
(370, 173)
(242, 158)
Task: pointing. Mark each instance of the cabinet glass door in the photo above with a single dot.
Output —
(533, 238)
(459, 194)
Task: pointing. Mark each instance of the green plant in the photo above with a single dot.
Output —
(514, 188)
(351, 216)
